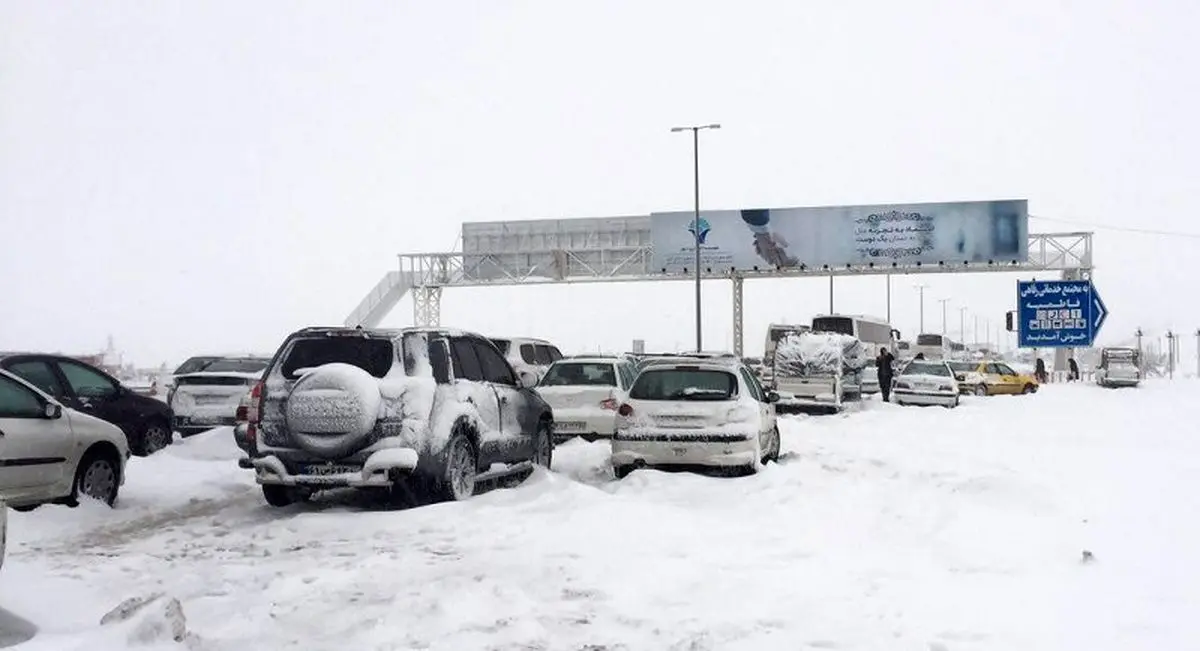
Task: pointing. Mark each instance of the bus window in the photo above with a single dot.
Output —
(835, 324)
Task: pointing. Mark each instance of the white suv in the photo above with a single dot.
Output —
(696, 412)
(525, 354)
(51, 453)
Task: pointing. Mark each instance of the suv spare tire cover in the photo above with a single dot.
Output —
(332, 409)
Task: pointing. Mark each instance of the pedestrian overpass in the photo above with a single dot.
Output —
(618, 249)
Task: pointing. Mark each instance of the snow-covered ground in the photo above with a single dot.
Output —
(889, 528)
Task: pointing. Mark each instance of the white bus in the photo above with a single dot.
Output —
(874, 333)
(932, 346)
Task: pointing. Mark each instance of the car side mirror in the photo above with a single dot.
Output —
(772, 397)
(53, 411)
(527, 379)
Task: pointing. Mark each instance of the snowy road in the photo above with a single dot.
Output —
(893, 528)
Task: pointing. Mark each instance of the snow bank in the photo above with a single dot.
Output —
(818, 353)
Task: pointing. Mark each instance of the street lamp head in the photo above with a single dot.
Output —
(714, 126)
(678, 129)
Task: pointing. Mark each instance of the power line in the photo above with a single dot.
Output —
(1123, 229)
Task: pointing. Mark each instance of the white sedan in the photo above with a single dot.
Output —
(926, 383)
(210, 398)
(584, 393)
(696, 412)
(52, 453)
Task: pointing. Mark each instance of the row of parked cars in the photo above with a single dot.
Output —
(441, 412)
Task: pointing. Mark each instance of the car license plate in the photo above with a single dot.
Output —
(328, 469)
(570, 426)
(679, 452)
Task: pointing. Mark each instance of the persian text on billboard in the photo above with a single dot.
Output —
(928, 233)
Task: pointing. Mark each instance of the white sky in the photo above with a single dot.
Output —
(197, 177)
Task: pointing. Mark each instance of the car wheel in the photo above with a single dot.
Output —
(773, 445)
(155, 437)
(1028, 389)
(981, 390)
(278, 496)
(98, 477)
(621, 472)
(543, 446)
(457, 482)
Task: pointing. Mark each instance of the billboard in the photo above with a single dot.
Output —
(905, 234)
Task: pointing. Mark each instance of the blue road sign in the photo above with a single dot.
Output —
(1058, 313)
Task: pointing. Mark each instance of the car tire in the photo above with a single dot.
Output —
(98, 476)
(981, 390)
(155, 436)
(1028, 389)
(774, 443)
(543, 446)
(459, 470)
(279, 496)
(621, 472)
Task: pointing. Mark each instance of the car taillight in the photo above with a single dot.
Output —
(254, 409)
(625, 410)
(609, 403)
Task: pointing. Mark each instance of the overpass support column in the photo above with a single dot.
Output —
(427, 306)
(737, 316)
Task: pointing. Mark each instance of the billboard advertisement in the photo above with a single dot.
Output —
(905, 234)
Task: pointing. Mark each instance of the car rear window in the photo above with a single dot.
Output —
(917, 368)
(372, 355)
(194, 365)
(237, 366)
(684, 384)
(563, 374)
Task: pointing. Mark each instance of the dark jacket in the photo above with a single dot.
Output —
(884, 364)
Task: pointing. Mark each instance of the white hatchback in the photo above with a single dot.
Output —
(584, 393)
(50, 453)
(210, 398)
(697, 412)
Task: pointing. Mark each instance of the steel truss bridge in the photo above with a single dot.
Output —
(617, 250)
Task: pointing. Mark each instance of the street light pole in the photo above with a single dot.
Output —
(943, 301)
(889, 298)
(921, 290)
(696, 220)
(962, 324)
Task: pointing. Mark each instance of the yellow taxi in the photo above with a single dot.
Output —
(990, 378)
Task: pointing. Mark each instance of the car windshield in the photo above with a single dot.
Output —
(600, 374)
(237, 366)
(962, 367)
(683, 383)
(922, 368)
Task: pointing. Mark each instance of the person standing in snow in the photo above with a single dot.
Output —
(1039, 371)
(1074, 374)
(883, 365)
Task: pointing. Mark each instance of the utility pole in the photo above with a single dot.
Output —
(831, 294)
(1170, 355)
(1141, 355)
(921, 290)
(962, 324)
(696, 230)
(889, 299)
(975, 339)
(943, 301)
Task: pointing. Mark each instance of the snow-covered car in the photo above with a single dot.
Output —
(209, 398)
(584, 393)
(3, 530)
(990, 378)
(696, 412)
(527, 354)
(923, 382)
(818, 369)
(436, 410)
(52, 453)
(1119, 367)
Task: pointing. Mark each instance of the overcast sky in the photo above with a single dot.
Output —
(197, 177)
